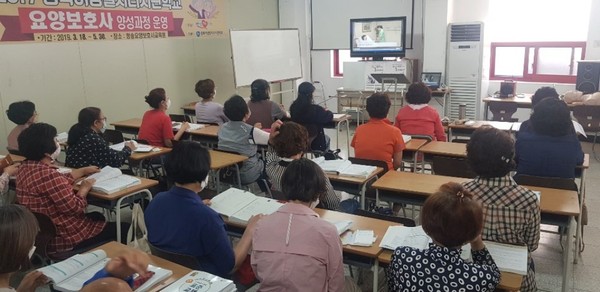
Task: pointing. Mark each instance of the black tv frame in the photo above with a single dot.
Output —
(378, 56)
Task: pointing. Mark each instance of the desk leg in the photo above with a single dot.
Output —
(375, 275)
(348, 136)
(363, 196)
(579, 226)
(566, 253)
(118, 211)
(485, 113)
(415, 155)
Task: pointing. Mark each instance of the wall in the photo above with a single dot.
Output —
(62, 78)
(592, 50)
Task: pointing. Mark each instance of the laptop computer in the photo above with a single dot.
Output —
(433, 80)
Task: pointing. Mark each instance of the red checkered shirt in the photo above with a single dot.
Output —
(511, 215)
(43, 189)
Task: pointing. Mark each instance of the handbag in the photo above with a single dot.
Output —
(138, 228)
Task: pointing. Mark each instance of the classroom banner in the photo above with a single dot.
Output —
(88, 20)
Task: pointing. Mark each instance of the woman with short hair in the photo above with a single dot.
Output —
(23, 114)
(418, 117)
(207, 110)
(452, 218)
(512, 212)
(263, 109)
(88, 147)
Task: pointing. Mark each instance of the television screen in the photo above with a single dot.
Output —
(378, 37)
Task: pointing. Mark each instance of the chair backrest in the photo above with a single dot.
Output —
(113, 136)
(182, 259)
(546, 182)
(371, 162)
(14, 151)
(418, 136)
(46, 234)
(588, 116)
(177, 118)
(404, 221)
(503, 111)
(452, 166)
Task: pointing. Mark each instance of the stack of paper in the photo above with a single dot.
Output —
(239, 206)
(110, 180)
(360, 238)
(344, 167)
(509, 258)
(177, 126)
(397, 236)
(340, 225)
(198, 281)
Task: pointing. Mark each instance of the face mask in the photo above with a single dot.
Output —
(31, 251)
(54, 155)
(314, 204)
(103, 129)
(168, 103)
(204, 183)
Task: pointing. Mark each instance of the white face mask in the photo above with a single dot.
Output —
(314, 204)
(103, 129)
(31, 251)
(54, 155)
(168, 103)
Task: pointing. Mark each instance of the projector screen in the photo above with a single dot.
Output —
(331, 19)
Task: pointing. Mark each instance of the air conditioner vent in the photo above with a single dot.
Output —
(465, 33)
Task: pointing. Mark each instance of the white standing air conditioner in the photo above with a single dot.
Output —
(464, 68)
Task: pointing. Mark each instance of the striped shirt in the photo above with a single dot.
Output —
(275, 168)
(511, 215)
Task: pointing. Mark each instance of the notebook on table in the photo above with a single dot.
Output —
(110, 180)
(239, 206)
(396, 236)
(198, 281)
(344, 167)
(509, 258)
(141, 148)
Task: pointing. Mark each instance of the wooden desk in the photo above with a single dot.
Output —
(207, 136)
(508, 281)
(522, 102)
(139, 158)
(114, 248)
(445, 149)
(190, 109)
(115, 200)
(354, 184)
(463, 129)
(220, 160)
(413, 146)
(558, 207)
(130, 126)
(340, 119)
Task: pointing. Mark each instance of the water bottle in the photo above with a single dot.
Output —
(462, 111)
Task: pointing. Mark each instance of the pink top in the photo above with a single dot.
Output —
(424, 121)
(13, 143)
(294, 250)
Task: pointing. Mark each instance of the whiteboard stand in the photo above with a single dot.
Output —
(282, 92)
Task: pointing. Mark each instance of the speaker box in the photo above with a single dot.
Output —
(588, 76)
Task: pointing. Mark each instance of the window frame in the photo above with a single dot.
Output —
(336, 64)
(534, 76)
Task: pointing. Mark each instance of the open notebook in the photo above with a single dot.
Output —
(198, 281)
(177, 126)
(397, 236)
(143, 148)
(508, 257)
(344, 167)
(238, 205)
(70, 274)
(110, 180)
(340, 225)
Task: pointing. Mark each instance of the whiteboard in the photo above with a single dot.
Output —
(273, 55)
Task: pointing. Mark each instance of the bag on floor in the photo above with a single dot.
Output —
(137, 236)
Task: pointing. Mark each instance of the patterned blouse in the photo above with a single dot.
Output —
(441, 269)
(42, 189)
(511, 215)
(92, 149)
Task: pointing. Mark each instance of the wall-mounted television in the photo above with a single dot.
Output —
(378, 37)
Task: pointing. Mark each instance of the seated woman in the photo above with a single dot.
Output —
(289, 145)
(208, 111)
(237, 136)
(86, 145)
(169, 215)
(7, 172)
(451, 217)
(511, 212)
(312, 116)
(293, 249)
(42, 189)
(18, 230)
(551, 147)
(23, 114)
(418, 118)
(156, 126)
(378, 139)
(539, 95)
(263, 109)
